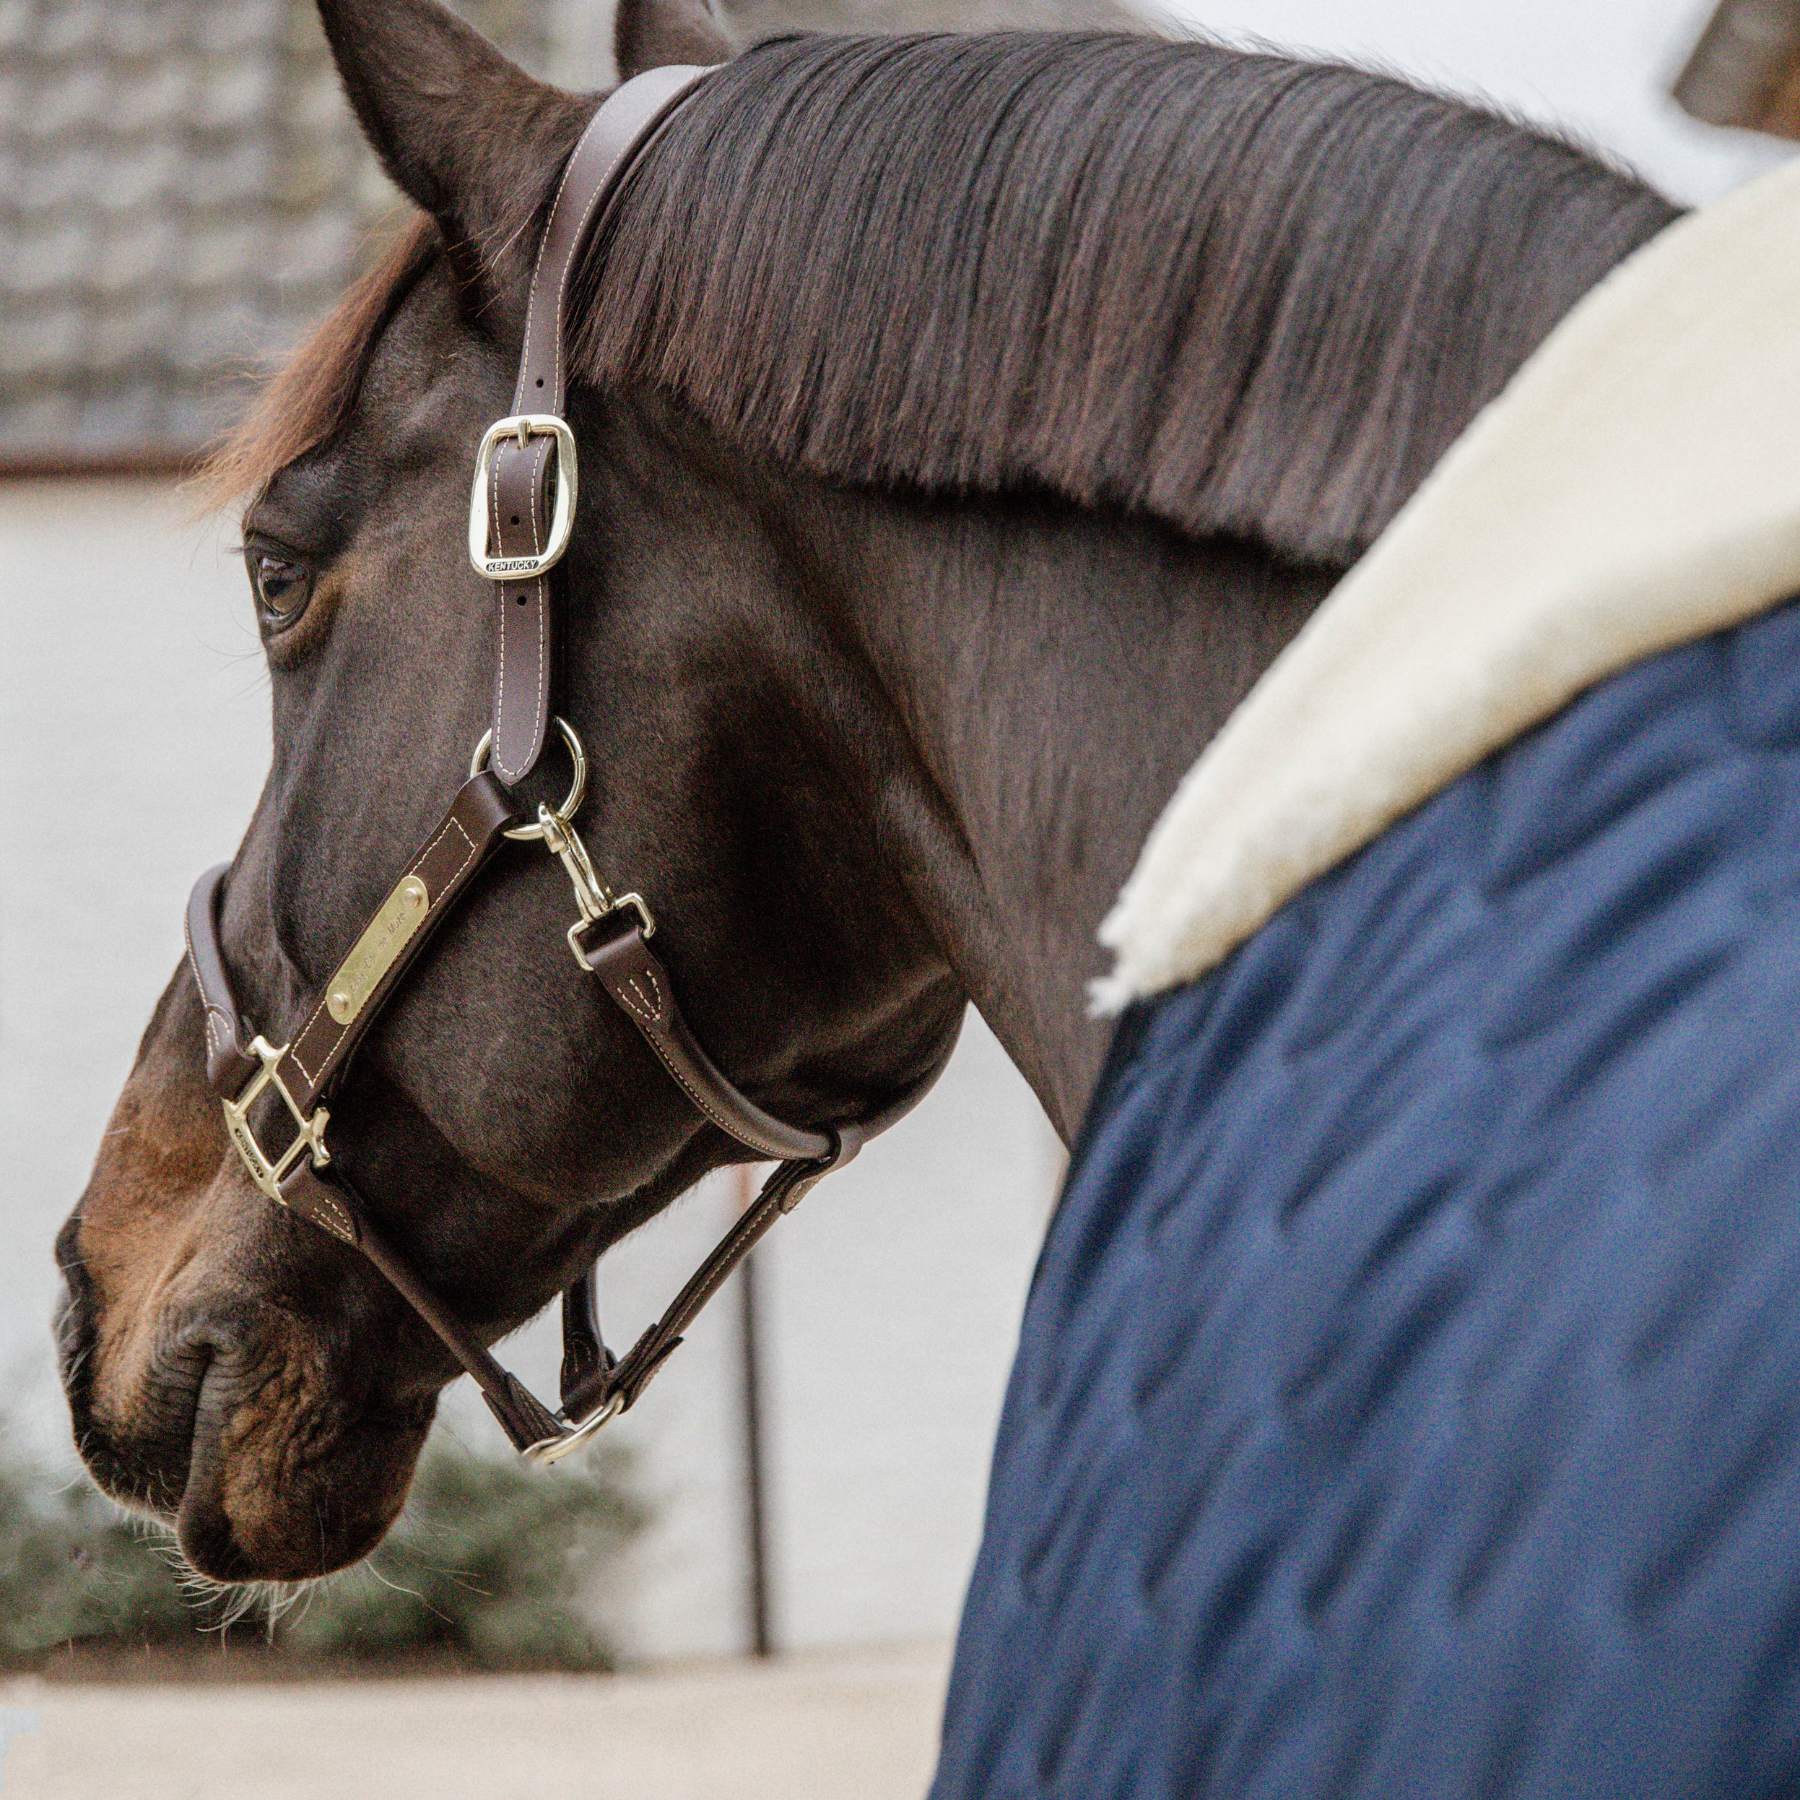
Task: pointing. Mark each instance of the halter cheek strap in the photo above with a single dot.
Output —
(522, 508)
(520, 516)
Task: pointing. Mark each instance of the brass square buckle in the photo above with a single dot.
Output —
(523, 427)
(267, 1173)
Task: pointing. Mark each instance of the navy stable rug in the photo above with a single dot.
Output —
(1408, 1400)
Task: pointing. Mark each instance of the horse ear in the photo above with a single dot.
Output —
(467, 134)
(650, 34)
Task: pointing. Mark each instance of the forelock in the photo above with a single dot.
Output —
(311, 398)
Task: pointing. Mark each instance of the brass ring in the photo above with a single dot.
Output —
(574, 1433)
(578, 787)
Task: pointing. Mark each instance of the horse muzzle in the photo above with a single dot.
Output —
(247, 1425)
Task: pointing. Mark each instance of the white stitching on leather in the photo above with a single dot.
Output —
(537, 589)
(574, 246)
(500, 677)
(603, 186)
(346, 1226)
(500, 683)
(531, 296)
(522, 392)
(730, 1129)
(543, 456)
(194, 963)
(633, 998)
(211, 1015)
(543, 621)
(648, 1006)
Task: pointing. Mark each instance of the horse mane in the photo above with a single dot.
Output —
(1240, 293)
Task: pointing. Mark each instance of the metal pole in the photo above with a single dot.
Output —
(761, 1640)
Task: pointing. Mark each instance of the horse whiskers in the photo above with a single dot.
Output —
(411, 1593)
(227, 1603)
(282, 1598)
(232, 1602)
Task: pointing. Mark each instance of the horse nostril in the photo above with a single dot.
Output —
(74, 1319)
(68, 1247)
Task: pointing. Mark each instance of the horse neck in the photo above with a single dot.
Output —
(1006, 693)
(1050, 673)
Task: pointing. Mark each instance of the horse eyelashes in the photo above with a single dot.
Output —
(280, 584)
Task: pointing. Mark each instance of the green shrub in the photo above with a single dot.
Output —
(72, 1566)
(490, 1563)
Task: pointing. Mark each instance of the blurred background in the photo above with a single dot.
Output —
(182, 192)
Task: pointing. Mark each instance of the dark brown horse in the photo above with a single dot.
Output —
(964, 424)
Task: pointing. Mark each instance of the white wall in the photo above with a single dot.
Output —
(1598, 68)
(135, 713)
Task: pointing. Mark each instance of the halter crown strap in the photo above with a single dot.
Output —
(525, 490)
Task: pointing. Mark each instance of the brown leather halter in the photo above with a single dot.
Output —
(521, 512)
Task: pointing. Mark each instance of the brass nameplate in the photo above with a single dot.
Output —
(375, 952)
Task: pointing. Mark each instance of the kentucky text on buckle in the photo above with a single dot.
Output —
(264, 1170)
(522, 427)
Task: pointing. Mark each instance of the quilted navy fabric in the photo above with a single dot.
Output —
(1408, 1402)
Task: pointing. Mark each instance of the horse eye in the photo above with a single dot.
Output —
(281, 586)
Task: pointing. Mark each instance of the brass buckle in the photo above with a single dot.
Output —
(264, 1171)
(524, 427)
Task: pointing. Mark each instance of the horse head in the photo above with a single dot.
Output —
(228, 1365)
(963, 425)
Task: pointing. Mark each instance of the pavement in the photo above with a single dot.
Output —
(859, 1726)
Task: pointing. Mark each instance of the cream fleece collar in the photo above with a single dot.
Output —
(1635, 486)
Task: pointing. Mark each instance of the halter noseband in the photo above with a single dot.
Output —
(520, 516)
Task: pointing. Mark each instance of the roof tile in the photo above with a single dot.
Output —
(182, 189)
(153, 28)
(72, 96)
(46, 416)
(53, 254)
(155, 95)
(180, 186)
(137, 255)
(17, 23)
(74, 25)
(129, 333)
(239, 25)
(235, 93)
(43, 345)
